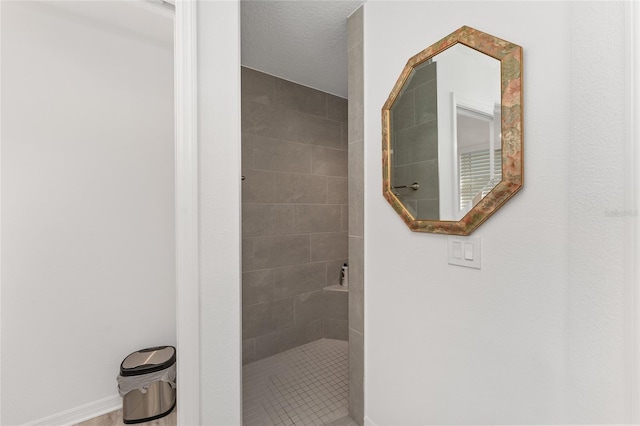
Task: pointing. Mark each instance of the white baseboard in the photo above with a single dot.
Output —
(81, 413)
(368, 422)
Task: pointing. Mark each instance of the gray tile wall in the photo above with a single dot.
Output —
(336, 315)
(356, 216)
(415, 143)
(294, 214)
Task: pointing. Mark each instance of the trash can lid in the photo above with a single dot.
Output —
(148, 361)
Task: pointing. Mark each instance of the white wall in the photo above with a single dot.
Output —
(539, 335)
(87, 200)
(220, 212)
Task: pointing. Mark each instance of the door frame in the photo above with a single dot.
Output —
(186, 213)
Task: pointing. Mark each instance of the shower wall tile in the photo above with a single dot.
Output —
(257, 287)
(268, 317)
(356, 95)
(337, 108)
(267, 219)
(308, 307)
(356, 188)
(425, 173)
(317, 218)
(282, 313)
(356, 160)
(255, 320)
(300, 98)
(280, 340)
(329, 246)
(356, 265)
(272, 252)
(403, 111)
(345, 136)
(258, 187)
(307, 189)
(259, 119)
(356, 206)
(273, 343)
(429, 208)
(356, 125)
(416, 138)
(337, 190)
(356, 376)
(279, 156)
(425, 73)
(356, 309)
(264, 318)
(355, 24)
(257, 86)
(308, 332)
(336, 305)
(294, 157)
(246, 159)
(417, 143)
(248, 351)
(426, 104)
(312, 130)
(412, 206)
(336, 329)
(355, 45)
(328, 162)
(247, 254)
(345, 218)
(294, 126)
(298, 279)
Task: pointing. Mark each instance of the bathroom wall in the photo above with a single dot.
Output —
(294, 213)
(539, 335)
(87, 201)
(219, 216)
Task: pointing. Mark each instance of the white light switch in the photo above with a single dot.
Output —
(457, 250)
(464, 251)
(468, 251)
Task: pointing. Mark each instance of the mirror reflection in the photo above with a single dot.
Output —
(445, 140)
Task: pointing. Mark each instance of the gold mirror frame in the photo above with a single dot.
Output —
(510, 57)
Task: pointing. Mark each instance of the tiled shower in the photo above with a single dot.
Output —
(416, 121)
(294, 215)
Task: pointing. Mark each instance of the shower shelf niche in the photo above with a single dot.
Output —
(336, 287)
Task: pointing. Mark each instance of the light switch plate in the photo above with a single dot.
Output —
(464, 251)
(456, 250)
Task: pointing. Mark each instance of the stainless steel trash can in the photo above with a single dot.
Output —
(147, 383)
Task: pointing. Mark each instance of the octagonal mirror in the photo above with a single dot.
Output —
(452, 133)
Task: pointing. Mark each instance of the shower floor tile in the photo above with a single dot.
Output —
(304, 386)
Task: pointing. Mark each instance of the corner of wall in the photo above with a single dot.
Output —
(356, 214)
(218, 35)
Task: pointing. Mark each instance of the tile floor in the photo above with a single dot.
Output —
(306, 386)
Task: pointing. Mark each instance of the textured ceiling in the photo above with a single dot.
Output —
(304, 41)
